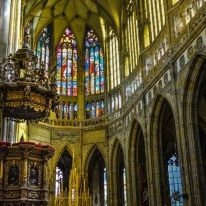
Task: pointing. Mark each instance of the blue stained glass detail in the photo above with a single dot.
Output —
(93, 65)
(43, 47)
(175, 182)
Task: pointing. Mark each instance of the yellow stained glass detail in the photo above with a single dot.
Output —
(146, 36)
(174, 1)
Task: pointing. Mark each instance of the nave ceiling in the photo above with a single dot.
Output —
(74, 13)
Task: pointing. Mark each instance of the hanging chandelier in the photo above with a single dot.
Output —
(26, 93)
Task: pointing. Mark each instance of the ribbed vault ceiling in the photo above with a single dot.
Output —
(74, 13)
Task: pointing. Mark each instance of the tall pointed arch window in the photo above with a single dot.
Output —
(121, 179)
(105, 186)
(172, 173)
(141, 171)
(125, 186)
(131, 39)
(156, 16)
(175, 182)
(67, 64)
(94, 68)
(113, 61)
(43, 47)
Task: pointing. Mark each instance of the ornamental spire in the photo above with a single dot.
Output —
(26, 37)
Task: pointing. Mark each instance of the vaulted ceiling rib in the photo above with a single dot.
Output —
(74, 13)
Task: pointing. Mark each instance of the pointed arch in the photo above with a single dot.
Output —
(93, 64)
(131, 37)
(97, 176)
(43, 48)
(194, 108)
(90, 155)
(59, 152)
(164, 151)
(137, 155)
(196, 77)
(62, 169)
(114, 61)
(118, 175)
(64, 155)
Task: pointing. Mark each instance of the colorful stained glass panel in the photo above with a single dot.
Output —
(43, 48)
(93, 65)
(67, 64)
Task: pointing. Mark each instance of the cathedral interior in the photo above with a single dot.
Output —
(103, 102)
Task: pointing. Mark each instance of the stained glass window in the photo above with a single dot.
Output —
(114, 68)
(105, 187)
(115, 102)
(125, 187)
(156, 16)
(67, 64)
(43, 48)
(131, 39)
(175, 182)
(94, 68)
(66, 110)
(94, 109)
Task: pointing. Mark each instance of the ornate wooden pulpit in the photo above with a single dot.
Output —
(23, 174)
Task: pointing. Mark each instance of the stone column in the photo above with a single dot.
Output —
(4, 26)
(81, 102)
(14, 26)
(10, 12)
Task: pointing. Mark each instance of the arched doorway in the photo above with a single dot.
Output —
(137, 167)
(97, 179)
(172, 183)
(121, 179)
(62, 174)
(141, 171)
